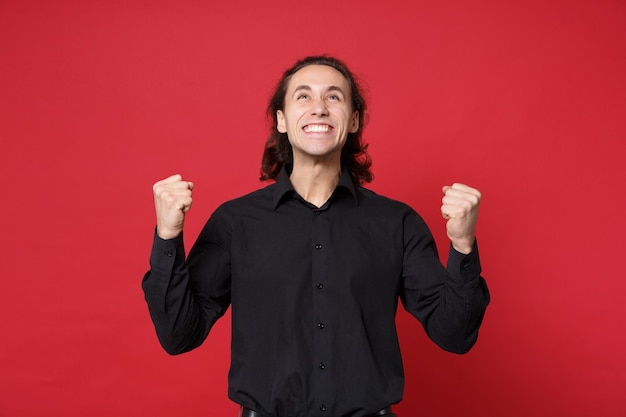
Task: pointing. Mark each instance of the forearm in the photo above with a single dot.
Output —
(466, 298)
(178, 319)
(449, 302)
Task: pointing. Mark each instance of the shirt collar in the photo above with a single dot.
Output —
(283, 186)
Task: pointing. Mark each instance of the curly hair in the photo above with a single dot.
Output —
(278, 151)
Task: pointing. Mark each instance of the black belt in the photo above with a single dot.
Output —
(246, 412)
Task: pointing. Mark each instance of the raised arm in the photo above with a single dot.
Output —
(185, 297)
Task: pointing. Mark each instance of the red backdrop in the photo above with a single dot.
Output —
(524, 100)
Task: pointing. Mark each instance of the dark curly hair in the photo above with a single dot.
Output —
(278, 152)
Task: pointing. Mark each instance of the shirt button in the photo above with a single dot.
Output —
(169, 253)
(322, 366)
(322, 407)
(320, 286)
(466, 267)
(318, 246)
(321, 325)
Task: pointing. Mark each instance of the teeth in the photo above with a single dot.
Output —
(317, 128)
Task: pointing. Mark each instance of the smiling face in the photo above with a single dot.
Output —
(317, 114)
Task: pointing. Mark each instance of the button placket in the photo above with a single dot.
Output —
(320, 239)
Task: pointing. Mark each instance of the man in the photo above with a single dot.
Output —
(314, 265)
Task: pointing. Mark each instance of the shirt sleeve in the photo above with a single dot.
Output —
(186, 297)
(449, 302)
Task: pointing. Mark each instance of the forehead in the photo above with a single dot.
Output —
(318, 76)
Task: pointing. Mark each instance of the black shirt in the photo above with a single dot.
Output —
(314, 293)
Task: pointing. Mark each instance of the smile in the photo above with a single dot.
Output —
(317, 128)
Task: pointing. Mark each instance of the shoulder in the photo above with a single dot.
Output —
(255, 200)
(382, 206)
(224, 218)
(369, 198)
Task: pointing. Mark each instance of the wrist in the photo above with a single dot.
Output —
(463, 246)
(166, 234)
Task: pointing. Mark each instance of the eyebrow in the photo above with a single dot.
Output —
(308, 88)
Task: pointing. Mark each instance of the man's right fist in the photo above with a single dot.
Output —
(172, 199)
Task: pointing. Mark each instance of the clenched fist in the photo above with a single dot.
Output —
(172, 200)
(460, 207)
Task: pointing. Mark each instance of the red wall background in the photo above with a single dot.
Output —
(524, 100)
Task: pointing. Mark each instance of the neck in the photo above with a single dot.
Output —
(315, 182)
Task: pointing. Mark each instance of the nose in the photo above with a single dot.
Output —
(318, 108)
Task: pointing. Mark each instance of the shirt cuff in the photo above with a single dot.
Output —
(166, 252)
(464, 267)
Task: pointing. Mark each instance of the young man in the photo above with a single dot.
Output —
(314, 265)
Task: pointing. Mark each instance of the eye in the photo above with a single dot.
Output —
(302, 96)
(334, 97)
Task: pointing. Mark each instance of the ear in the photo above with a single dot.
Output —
(354, 123)
(280, 122)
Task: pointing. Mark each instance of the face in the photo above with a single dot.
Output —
(317, 114)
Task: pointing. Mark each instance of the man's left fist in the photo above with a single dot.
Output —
(460, 207)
